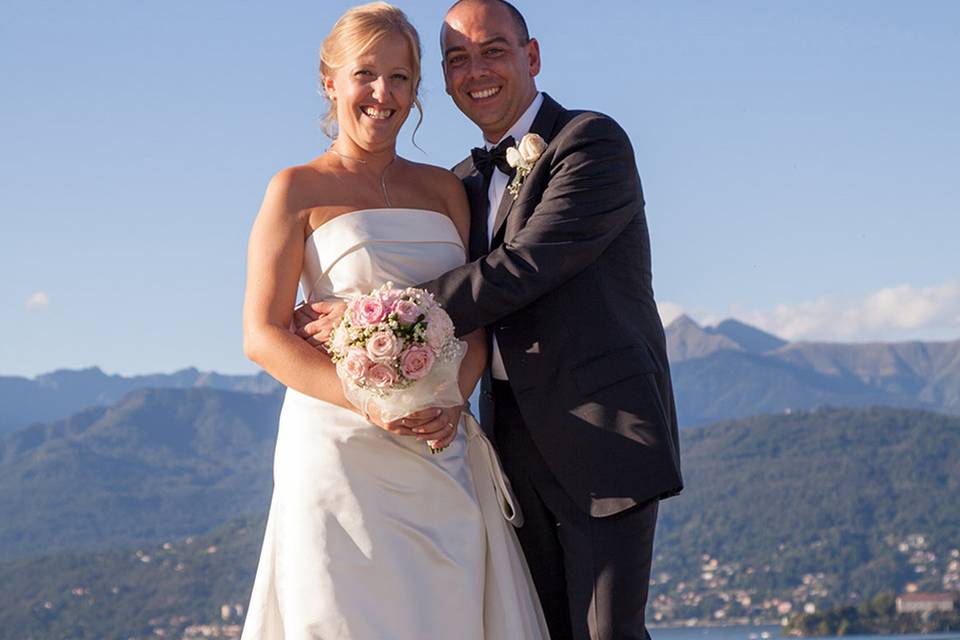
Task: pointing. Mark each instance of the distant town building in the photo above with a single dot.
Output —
(924, 602)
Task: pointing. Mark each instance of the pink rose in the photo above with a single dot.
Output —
(383, 346)
(381, 375)
(407, 311)
(368, 310)
(389, 298)
(439, 327)
(416, 362)
(356, 364)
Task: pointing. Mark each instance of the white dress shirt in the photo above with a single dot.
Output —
(498, 184)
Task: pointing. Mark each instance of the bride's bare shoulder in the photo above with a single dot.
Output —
(437, 181)
(445, 191)
(302, 186)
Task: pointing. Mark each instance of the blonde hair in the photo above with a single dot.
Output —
(354, 33)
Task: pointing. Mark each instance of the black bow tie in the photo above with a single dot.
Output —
(484, 160)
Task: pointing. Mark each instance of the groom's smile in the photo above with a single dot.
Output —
(489, 65)
(484, 93)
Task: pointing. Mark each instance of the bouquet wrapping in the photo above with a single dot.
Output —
(396, 348)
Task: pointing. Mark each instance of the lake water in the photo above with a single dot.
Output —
(755, 633)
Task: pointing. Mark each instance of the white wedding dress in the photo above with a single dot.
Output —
(370, 537)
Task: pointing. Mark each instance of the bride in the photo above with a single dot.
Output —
(370, 536)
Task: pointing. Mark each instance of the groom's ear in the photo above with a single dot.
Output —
(533, 56)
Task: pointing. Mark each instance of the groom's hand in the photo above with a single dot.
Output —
(315, 322)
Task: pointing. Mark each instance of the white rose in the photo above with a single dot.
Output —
(340, 341)
(531, 147)
(514, 159)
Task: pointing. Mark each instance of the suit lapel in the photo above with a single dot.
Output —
(506, 204)
(473, 183)
(543, 125)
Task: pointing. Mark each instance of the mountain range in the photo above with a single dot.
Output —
(132, 518)
(160, 463)
(832, 491)
(720, 372)
(59, 394)
(148, 492)
(734, 370)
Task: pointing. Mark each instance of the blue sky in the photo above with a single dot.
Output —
(799, 159)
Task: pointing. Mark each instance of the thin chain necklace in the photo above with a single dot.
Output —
(383, 175)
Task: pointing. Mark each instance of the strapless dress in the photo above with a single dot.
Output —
(369, 536)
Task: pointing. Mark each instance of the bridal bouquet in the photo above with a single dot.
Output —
(397, 349)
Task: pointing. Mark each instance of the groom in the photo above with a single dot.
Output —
(578, 395)
(578, 392)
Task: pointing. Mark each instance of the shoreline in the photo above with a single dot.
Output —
(774, 631)
(700, 624)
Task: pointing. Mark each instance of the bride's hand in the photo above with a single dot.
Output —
(315, 322)
(405, 426)
(441, 430)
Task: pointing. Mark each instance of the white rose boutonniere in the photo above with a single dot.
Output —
(522, 158)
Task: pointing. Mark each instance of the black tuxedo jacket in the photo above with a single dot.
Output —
(566, 288)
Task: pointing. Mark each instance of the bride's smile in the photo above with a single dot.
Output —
(377, 114)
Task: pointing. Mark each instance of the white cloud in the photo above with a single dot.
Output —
(38, 301)
(901, 312)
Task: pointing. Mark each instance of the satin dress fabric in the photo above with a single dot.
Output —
(369, 535)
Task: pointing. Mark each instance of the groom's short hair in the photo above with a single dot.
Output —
(518, 19)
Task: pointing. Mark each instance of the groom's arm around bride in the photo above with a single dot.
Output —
(566, 288)
(561, 275)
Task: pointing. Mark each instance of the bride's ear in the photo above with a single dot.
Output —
(328, 90)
